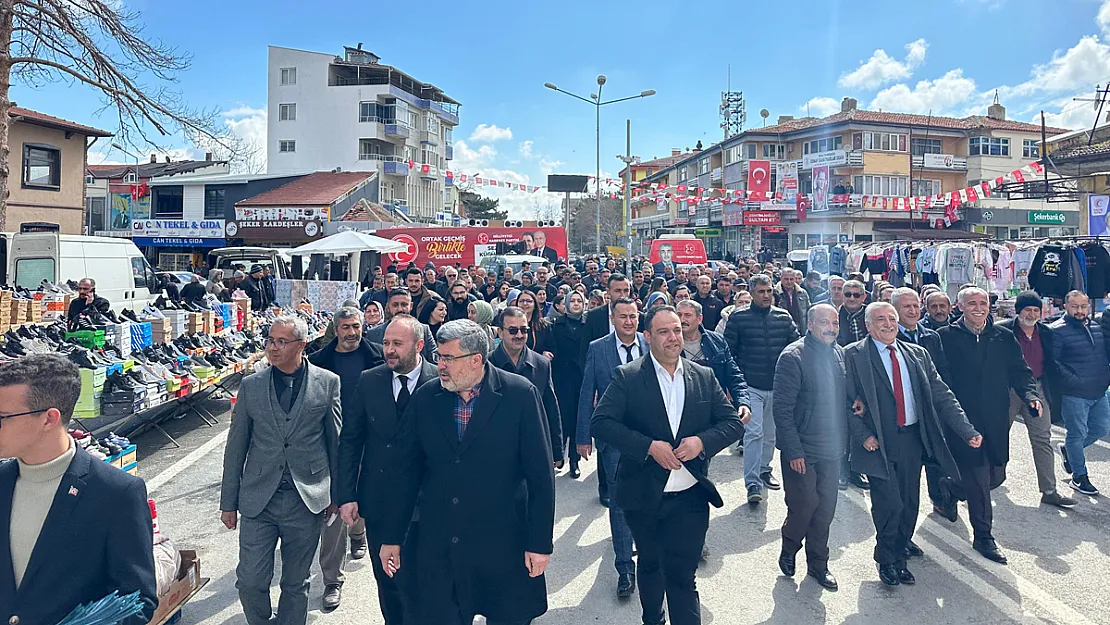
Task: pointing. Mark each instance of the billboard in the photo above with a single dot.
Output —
(830, 158)
(1097, 214)
(467, 246)
(786, 181)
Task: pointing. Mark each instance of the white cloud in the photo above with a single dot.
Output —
(488, 133)
(526, 149)
(821, 107)
(1103, 17)
(548, 167)
(1081, 66)
(881, 68)
(1069, 113)
(947, 95)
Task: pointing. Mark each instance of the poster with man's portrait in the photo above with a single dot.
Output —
(820, 189)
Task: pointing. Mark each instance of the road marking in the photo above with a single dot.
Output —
(1026, 589)
(160, 480)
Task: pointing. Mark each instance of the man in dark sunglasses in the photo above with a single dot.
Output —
(852, 325)
(54, 491)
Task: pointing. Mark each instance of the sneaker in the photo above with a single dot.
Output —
(1064, 455)
(755, 495)
(1058, 500)
(770, 481)
(1083, 484)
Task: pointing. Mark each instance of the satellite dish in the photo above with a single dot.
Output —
(764, 113)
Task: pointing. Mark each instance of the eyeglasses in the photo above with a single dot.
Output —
(21, 414)
(450, 360)
(853, 295)
(516, 331)
(281, 343)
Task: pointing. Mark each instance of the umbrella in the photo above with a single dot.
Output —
(349, 242)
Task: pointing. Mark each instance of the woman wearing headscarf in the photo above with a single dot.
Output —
(373, 315)
(558, 307)
(215, 284)
(571, 341)
(540, 338)
(656, 299)
(481, 313)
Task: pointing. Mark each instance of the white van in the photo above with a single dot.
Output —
(122, 274)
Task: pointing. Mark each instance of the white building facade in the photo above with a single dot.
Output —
(352, 113)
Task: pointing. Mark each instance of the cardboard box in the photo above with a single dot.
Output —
(188, 580)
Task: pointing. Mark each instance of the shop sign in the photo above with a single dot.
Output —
(831, 158)
(732, 215)
(273, 230)
(178, 228)
(707, 232)
(178, 242)
(701, 221)
(681, 221)
(939, 161)
(762, 218)
(1057, 218)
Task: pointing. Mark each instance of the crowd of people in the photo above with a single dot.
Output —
(519, 378)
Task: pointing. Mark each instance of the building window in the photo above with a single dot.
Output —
(920, 147)
(988, 146)
(894, 186)
(287, 145)
(130, 178)
(288, 75)
(1030, 148)
(287, 112)
(42, 166)
(681, 173)
(774, 151)
(367, 112)
(167, 203)
(885, 141)
(732, 155)
(214, 203)
(822, 145)
(925, 187)
(89, 179)
(703, 166)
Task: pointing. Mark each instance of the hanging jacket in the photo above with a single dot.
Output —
(1098, 270)
(1050, 273)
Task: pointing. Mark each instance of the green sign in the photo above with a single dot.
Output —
(707, 232)
(1057, 218)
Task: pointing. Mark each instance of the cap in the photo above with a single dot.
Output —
(256, 268)
(1026, 299)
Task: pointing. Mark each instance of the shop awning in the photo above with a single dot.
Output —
(926, 234)
(349, 242)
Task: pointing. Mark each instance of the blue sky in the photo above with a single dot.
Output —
(947, 56)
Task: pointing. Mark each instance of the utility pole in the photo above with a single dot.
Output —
(628, 161)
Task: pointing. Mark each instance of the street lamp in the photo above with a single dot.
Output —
(596, 101)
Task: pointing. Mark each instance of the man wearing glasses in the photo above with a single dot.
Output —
(514, 356)
(53, 492)
(479, 458)
(282, 451)
(853, 327)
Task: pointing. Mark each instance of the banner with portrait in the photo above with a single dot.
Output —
(821, 195)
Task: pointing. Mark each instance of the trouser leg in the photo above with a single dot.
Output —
(1076, 411)
(1098, 425)
(644, 526)
(357, 532)
(801, 502)
(886, 512)
(333, 550)
(768, 450)
(1039, 429)
(684, 524)
(826, 474)
(933, 476)
(300, 536)
(390, 596)
(618, 525)
(908, 470)
(976, 487)
(754, 435)
(258, 537)
(602, 484)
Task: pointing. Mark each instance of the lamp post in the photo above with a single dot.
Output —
(628, 161)
(130, 196)
(597, 102)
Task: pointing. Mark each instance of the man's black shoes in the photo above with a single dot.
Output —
(913, 551)
(787, 563)
(824, 578)
(770, 481)
(626, 585)
(905, 577)
(888, 574)
(989, 550)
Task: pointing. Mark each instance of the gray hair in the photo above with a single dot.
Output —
(759, 279)
(936, 294)
(296, 324)
(52, 381)
(875, 307)
(471, 336)
(971, 290)
(689, 303)
(194, 278)
(347, 312)
(855, 284)
(839, 279)
(91, 282)
(413, 325)
(902, 292)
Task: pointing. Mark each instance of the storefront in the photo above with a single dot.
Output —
(713, 240)
(175, 244)
(1012, 224)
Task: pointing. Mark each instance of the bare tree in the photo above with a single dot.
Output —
(582, 230)
(99, 43)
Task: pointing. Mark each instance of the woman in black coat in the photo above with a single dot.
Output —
(540, 339)
(571, 343)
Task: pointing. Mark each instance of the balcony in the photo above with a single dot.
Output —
(940, 162)
(395, 168)
(715, 175)
(400, 131)
(855, 158)
(430, 138)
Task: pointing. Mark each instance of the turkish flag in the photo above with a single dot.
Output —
(986, 189)
(972, 196)
(682, 188)
(1037, 167)
(802, 206)
(1018, 176)
(759, 180)
(425, 169)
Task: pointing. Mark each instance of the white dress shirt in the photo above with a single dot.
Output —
(621, 354)
(907, 385)
(410, 379)
(674, 399)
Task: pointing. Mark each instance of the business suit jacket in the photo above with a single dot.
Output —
(930, 340)
(260, 443)
(631, 415)
(370, 427)
(602, 360)
(96, 538)
(547, 252)
(597, 322)
(430, 352)
(936, 408)
(537, 370)
(483, 501)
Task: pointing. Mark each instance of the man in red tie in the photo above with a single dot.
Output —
(908, 412)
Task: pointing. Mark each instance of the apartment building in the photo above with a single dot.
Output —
(875, 155)
(352, 113)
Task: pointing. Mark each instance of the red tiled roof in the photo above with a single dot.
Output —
(319, 189)
(43, 119)
(902, 119)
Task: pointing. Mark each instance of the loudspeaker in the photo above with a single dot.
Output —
(478, 222)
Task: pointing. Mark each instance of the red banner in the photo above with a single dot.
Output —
(759, 181)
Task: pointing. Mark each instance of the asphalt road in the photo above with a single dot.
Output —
(1056, 573)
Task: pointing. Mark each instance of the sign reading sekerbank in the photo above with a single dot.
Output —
(178, 228)
(1057, 218)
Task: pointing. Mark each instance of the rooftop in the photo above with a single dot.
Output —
(972, 122)
(202, 179)
(318, 189)
(18, 113)
(150, 170)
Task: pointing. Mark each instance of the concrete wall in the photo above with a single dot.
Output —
(64, 206)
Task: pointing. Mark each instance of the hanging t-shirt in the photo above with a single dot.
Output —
(1023, 260)
(1098, 269)
(837, 257)
(925, 260)
(1004, 271)
(958, 269)
(819, 260)
(1049, 272)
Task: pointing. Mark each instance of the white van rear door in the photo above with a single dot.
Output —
(32, 258)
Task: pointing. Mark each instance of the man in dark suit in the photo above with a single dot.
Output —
(905, 404)
(73, 528)
(604, 355)
(541, 248)
(370, 426)
(598, 323)
(514, 356)
(400, 302)
(667, 416)
(479, 459)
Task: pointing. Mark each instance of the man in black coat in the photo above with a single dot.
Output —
(458, 302)
(986, 363)
(668, 417)
(811, 423)
(252, 286)
(370, 426)
(899, 426)
(86, 302)
(479, 459)
(73, 528)
(598, 323)
(514, 356)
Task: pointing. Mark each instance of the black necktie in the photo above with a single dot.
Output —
(403, 395)
(627, 353)
(913, 337)
(285, 394)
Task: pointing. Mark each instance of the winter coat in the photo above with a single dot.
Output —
(800, 308)
(756, 337)
(1079, 354)
(1050, 274)
(810, 404)
(852, 326)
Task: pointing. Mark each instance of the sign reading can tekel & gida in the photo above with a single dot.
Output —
(278, 224)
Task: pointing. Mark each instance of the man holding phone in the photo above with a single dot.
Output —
(86, 301)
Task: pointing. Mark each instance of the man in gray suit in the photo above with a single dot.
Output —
(281, 453)
(622, 345)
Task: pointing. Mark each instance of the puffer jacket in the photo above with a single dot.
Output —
(1079, 353)
(756, 337)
